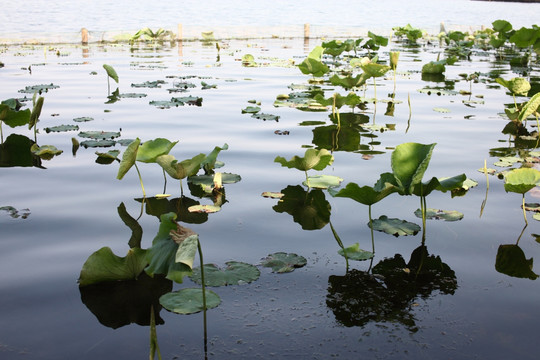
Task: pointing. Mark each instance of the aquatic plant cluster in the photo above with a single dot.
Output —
(340, 77)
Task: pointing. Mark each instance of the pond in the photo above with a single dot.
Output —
(446, 289)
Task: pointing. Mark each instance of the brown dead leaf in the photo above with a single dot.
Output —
(181, 233)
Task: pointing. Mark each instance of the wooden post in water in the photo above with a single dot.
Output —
(306, 31)
(84, 36)
(179, 36)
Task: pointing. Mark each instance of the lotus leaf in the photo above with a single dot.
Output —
(434, 67)
(165, 250)
(149, 84)
(128, 159)
(366, 195)
(38, 88)
(372, 69)
(521, 180)
(447, 215)
(83, 119)
(251, 110)
(395, 227)
(15, 151)
(14, 213)
(46, 152)
(442, 184)
(132, 95)
(314, 67)
(111, 154)
(209, 164)
(354, 252)
(525, 37)
(36, 112)
(180, 170)
(189, 301)
(97, 143)
(322, 181)
(208, 180)
(441, 110)
(501, 26)
(316, 159)
(530, 107)
(437, 91)
(511, 261)
(532, 207)
(248, 60)
(150, 150)
(264, 117)
(99, 134)
(517, 85)
(236, 273)
(13, 117)
(104, 265)
(205, 86)
(281, 262)
(272, 195)
(61, 128)
(133, 224)
(205, 209)
(349, 82)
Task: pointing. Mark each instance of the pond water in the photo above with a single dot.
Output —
(71, 206)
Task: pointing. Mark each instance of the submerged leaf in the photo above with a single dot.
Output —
(281, 262)
(354, 252)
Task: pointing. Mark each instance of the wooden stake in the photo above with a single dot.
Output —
(84, 36)
(306, 31)
(179, 36)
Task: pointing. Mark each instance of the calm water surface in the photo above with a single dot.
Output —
(73, 211)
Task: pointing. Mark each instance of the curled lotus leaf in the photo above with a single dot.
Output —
(521, 180)
(189, 301)
(530, 107)
(366, 195)
(395, 227)
(150, 150)
(235, 273)
(354, 252)
(180, 170)
(111, 72)
(517, 85)
(128, 158)
(46, 152)
(282, 262)
(316, 159)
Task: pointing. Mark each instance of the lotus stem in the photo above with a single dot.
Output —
(153, 336)
(340, 243)
(1, 133)
(410, 113)
(142, 208)
(423, 208)
(140, 179)
(165, 184)
(523, 206)
(203, 294)
(307, 179)
(375, 89)
(487, 189)
(371, 228)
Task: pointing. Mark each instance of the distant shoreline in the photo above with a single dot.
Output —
(521, 1)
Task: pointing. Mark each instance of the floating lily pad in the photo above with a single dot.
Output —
(206, 86)
(132, 95)
(149, 84)
(99, 135)
(189, 301)
(226, 178)
(251, 110)
(111, 154)
(61, 128)
(14, 213)
(434, 214)
(125, 142)
(322, 181)
(83, 119)
(532, 207)
(441, 110)
(38, 88)
(395, 227)
(207, 209)
(97, 143)
(507, 161)
(281, 262)
(264, 117)
(236, 273)
(272, 195)
(354, 252)
(437, 91)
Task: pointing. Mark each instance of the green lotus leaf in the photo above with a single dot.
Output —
(111, 72)
(441, 110)
(434, 214)
(525, 37)
(209, 163)
(205, 209)
(83, 119)
(111, 154)
(521, 180)
(104, 265)
(132, 95)
(14, 118)
(99, 134)
(372, 69)
(316, 159)
(208, 180)
(511, 261)
(434, 67)
(248, 60)
(281, 262)
(437, 91)
(150, 150)
(313, 67)
(517, 85)
(38, 88)
(97, 143)
(36, 112)
(164, 251)
(395, 227)
(45, 152)
(264, 117)
(251, 110)
(366, 195)
(61, 128)
(189, 301)
(149, 84)
(409, 162)
(322, 181)
(235, 273)
(532, 207)
(128, 158)
(187, 250)
(530, 107)
(442, 184)
(180, 170)
(354, 252)
(349, 82)
(501, 26)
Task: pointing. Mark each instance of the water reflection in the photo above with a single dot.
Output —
(388, 293)
(309, 208)
(15, 151)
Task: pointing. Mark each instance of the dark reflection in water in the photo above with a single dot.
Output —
(15, 151)
(388, 293)
(119, 303)
(310, 209)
